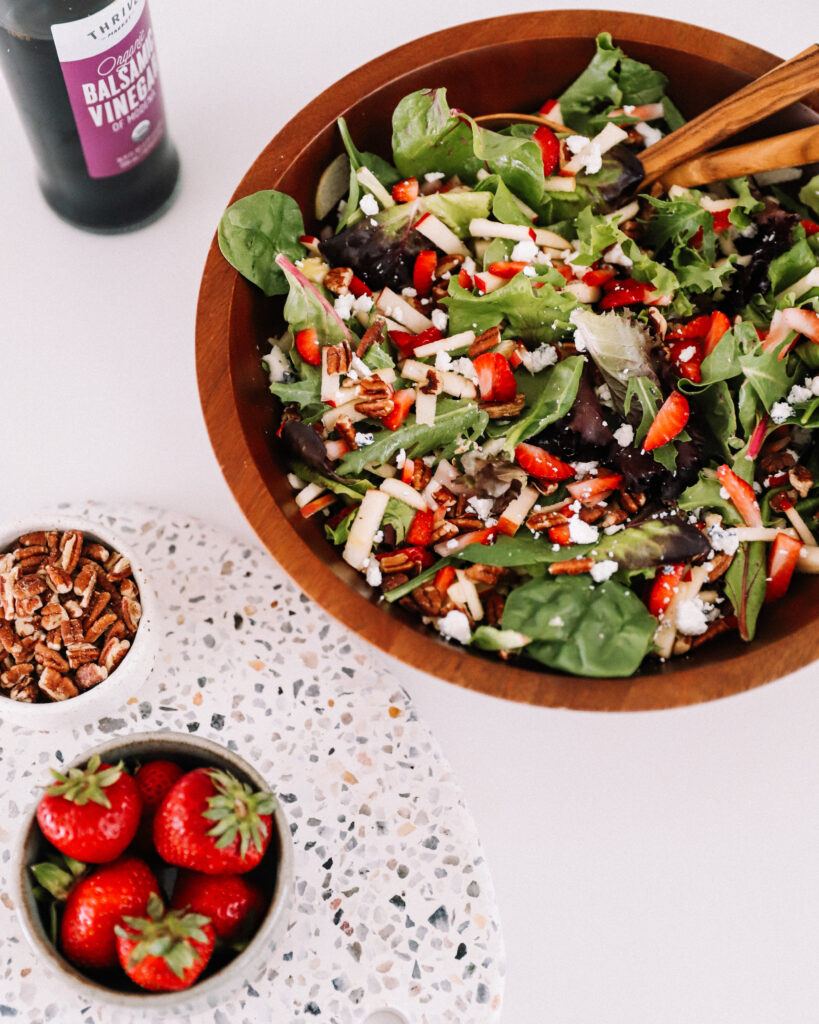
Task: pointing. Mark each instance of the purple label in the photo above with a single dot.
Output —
(110, 68)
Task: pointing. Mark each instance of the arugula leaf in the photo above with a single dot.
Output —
(745, 586)
(581, 628)
(557, 390)
(454, 419)
(254, 230)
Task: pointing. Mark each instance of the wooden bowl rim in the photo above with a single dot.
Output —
(678, 684)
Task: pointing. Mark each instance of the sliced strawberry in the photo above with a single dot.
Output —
(597, 276)
(423, 271)
(560, 535)
(664, 587)
(408, 471)
(566, 272)
(464, 280)
(810, 227)
(407, 343)
(549, 148)
(316, 505)
(696, 328)
(421, 527)
(541, 464)
(402, 403)
(405, 191)
(358, 288)
(516, 358)
(687, 356)
(719, 325)
(595, 488)
(444, 578)
(626, 292)
(507, 268)
(722, 221)
(495, 378)
(781, 564)
(670, 420)
(547, 107)
(307, 346)
(741, 494)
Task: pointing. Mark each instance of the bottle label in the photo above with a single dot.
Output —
(110, 68)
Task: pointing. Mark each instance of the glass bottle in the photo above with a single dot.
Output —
(83, 74)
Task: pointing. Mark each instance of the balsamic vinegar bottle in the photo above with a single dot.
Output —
(84, 76)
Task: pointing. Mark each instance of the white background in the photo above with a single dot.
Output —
(657, 867)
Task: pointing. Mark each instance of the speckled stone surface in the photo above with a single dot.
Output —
(394, 904)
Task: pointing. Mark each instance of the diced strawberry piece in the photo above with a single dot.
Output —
(741, 494)
(595, 488)
(516, 358)
(420, 531)
(336, 449)
(567, 272)
(405, 191)
(689, 366)
(402, 403)
(464, 280)
(495, 378)
(307, 346)
(506, 268)
(408, 469)
(358, 288)
(625, 292)
(781, 564)
(560, 535)
(670, 420)
(664, 587)
(541, 464)
(722, 221)
(423, 271)
(407, 343)
(720, 324)
(444, 578)
(596, 276)
(547, 107)
(549, 148)
(317, 504)
(810, 227)
(696, 328)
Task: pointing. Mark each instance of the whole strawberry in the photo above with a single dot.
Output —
(213, 823)
(97, 903)
(154, 779)
(233, 903)
(165, 951)
(91, 813)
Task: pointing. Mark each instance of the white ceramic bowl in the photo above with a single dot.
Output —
(128, 678)
(190, 752)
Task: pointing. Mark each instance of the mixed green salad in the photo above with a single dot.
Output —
(568, 427)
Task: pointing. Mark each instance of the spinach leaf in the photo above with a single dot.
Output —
(428, 137)
(532, 314)
(504, 207)
(254, 230)
(788, 268)
(383, 170)
(453, 419)
(745, 586)
(488, 638)
(556, 391)
(581, 628)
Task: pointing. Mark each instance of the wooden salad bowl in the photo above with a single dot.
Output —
(505, 63)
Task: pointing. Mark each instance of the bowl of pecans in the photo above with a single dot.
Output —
(76, 623)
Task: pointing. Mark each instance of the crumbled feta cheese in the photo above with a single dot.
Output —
(369, 205)
(690, 617)
(624, 435)
(529, 271)
(723, 539)
(363, 304)
(556, 621)
(687, 353)
(439, 319)
(443, 361)
(780, 411)
(465, 367)
(579, 343)
(601, 571)
(373, 574)
(650, 134)
(628, 108)
(604, 394)
(481, 506)
(582, 533)
(542, 257)
(616, 255)
(577, 143)
(724, 494)
(538, 359)
(455, 626)
(434, 175)
(359, 366)
(397, 314)
(409, 292)
(615, 528)
(798, 393)
(344, 305)
(524, 251)
(362, 440)
(814, 385)
(400, 459)
(278, 365)
(378, 536)
(587, 150)
(469, 266)
(583, 469)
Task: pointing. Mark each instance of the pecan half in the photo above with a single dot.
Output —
(70, 550)
(571, 567)
(484, 342)
(481, 573)
(446, 264)
(397, 561)
(346, 430)
(374, 335)
(337, 358)
(502, 410)
(55, 686)
(429, 599)
(16, 674)
(59, 579)
(540, 521)
(801, 479)
(493, 604)
(44, 656)
(719, 566)
(421, 474)
(338, 280)
(89, 675)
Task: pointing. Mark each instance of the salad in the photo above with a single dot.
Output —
(571, 428)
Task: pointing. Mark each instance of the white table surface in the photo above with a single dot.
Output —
(657, 867)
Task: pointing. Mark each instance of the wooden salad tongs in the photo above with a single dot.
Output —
(681, 158)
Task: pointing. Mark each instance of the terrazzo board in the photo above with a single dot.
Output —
(394, 904)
